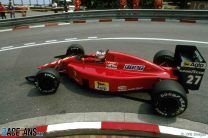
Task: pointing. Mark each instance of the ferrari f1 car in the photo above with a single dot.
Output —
(169, 77)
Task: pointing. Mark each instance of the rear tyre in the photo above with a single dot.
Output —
(164, 58)
(47, 80)
(75, 49)
(169, 98)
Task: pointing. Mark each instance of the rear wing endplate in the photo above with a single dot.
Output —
(191, 66)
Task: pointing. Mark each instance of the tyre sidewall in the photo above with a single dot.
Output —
(47, 75)
(181, 100)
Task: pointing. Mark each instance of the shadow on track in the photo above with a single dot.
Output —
(72, 86)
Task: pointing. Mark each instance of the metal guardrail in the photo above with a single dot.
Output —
(114, 14)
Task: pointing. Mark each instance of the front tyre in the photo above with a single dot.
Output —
(47, 80)
(169, 98)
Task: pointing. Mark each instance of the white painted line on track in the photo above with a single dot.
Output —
(37, 26)
(70, 39)
(49, 41)
(155, 39)
(93, 37)
(30, 43)
(98, 39)
(75, 125)
(7, 47)
(64, 23)
(6, 30)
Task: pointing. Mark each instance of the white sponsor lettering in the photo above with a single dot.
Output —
(134, 67)
(122, 88)
(137, 88)
(111, 65)
(181, 102)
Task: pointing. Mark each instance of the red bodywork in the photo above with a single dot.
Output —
(119, 72)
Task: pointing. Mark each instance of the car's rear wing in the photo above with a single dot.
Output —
(191, 66)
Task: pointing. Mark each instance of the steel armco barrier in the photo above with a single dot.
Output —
(113, 14)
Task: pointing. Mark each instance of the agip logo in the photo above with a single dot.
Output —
(193, 64)
(186, 64)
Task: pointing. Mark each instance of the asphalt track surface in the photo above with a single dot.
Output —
(20, 100)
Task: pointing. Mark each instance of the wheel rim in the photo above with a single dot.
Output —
(168, 105)
(166, 64)
(166, 61)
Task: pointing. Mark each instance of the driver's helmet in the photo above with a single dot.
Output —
(100, 54)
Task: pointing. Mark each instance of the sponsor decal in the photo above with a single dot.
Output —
(122, 88)
(193, 64)
(133, 89)
(75, 74)
(111, 65)
(134, 67)
(103, 86)
(49, 75)
(192, 71)
(197, 55)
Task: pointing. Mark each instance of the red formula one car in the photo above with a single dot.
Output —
(169, 77)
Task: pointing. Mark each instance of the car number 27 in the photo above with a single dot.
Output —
(193, 79)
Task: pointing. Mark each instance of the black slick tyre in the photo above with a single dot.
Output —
(75, 49)
(169, 98)
(164, 58)
(47, 80)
